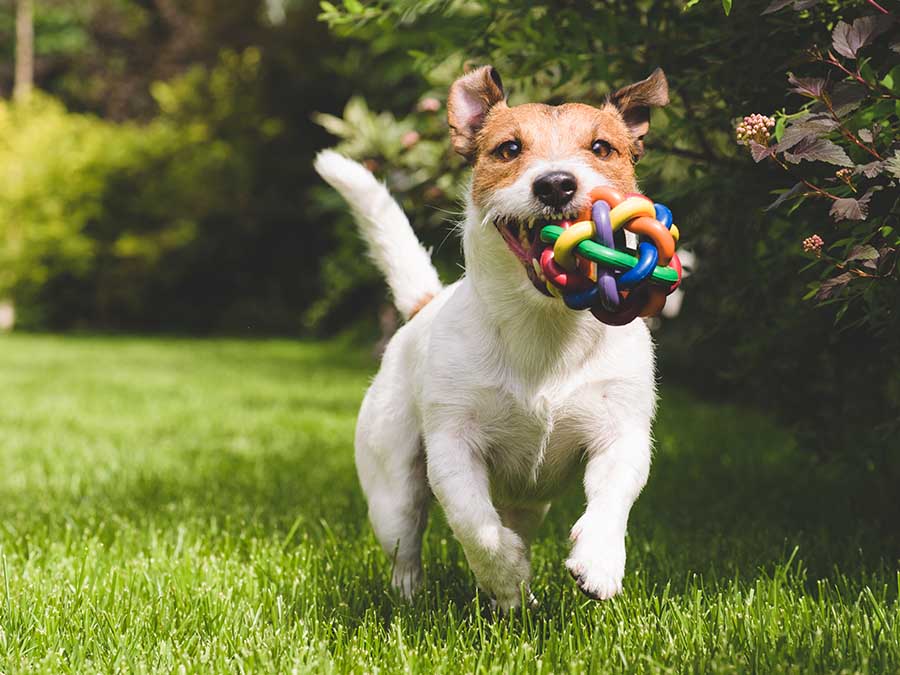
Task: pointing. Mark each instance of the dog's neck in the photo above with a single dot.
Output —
(540, 336)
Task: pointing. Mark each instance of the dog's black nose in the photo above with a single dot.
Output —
(555, 189)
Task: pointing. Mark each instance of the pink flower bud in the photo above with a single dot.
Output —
(813, 244)
(433, 193)
(754, 127)
(429, 104)
(409, 139)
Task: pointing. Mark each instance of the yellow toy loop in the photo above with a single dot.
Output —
(564, 248)
(631, 208)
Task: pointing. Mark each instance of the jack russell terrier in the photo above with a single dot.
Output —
(493, 395)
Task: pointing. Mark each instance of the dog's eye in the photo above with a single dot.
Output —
(602, 149)
(508, 150)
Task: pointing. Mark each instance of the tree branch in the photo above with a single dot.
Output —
(24, 81)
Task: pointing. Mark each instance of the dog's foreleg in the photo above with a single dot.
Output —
(613, 479)
(496, 554)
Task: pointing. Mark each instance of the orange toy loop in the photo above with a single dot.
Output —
(657, 232)
(609, 195)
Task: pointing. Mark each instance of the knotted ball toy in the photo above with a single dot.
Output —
(584, 267)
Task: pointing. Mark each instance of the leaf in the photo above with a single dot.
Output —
(759, 152)
(870, 170)
(891, 81)
(831, 286)
(726, 5)
(784, 196)
(848, 39)
(840, 40)
(864, 200)
(845, 97)
(865, 135)
(805, 4)
(333, 125)
(818, 150)
(807, 86)
(862, 252)
(892, 164)
(777, 5)
(808, 126)
(779, 128)
(848, 209)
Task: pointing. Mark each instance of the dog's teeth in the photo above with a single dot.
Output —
(537, 266)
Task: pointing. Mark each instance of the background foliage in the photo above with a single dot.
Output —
(163, 179)
(817, 343)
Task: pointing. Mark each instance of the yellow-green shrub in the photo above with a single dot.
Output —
(100, 220)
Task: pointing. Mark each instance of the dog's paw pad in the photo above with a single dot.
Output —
(596, 581)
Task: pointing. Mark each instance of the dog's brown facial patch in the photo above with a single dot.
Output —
(598, 137)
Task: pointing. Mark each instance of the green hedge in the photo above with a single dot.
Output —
(111, 225)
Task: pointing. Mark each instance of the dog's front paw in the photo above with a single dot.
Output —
(499, 559)
(530, 603)
(597, 561)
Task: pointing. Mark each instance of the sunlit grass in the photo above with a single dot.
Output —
(169, 504)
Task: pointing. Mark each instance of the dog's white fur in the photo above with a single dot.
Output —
(491, 398)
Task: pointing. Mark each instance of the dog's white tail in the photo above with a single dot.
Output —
(392, 243)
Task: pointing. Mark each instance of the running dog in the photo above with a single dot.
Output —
(494, 395)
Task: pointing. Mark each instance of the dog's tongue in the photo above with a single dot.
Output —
(537, 247)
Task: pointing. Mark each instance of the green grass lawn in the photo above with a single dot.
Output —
(190, 505)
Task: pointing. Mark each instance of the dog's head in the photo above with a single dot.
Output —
(535, 164)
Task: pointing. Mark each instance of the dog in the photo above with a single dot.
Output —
(494, 395)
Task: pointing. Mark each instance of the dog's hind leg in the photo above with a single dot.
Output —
(391, 467)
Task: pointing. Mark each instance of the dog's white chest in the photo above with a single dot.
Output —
(529, 444)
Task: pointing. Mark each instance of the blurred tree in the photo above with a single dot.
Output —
(24, 50)
(228, 153)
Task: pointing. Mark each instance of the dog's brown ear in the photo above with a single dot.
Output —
(471, 98)
(635, 101)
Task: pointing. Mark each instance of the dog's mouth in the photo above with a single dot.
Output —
(523, 238)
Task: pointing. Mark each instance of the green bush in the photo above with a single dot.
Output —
(57, 171)
(102, 222)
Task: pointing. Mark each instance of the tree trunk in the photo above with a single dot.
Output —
(24, 81)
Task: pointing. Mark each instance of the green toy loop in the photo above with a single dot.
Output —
(610, 257)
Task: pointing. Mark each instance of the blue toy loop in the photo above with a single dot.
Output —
(647, 259)
(663, 215)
